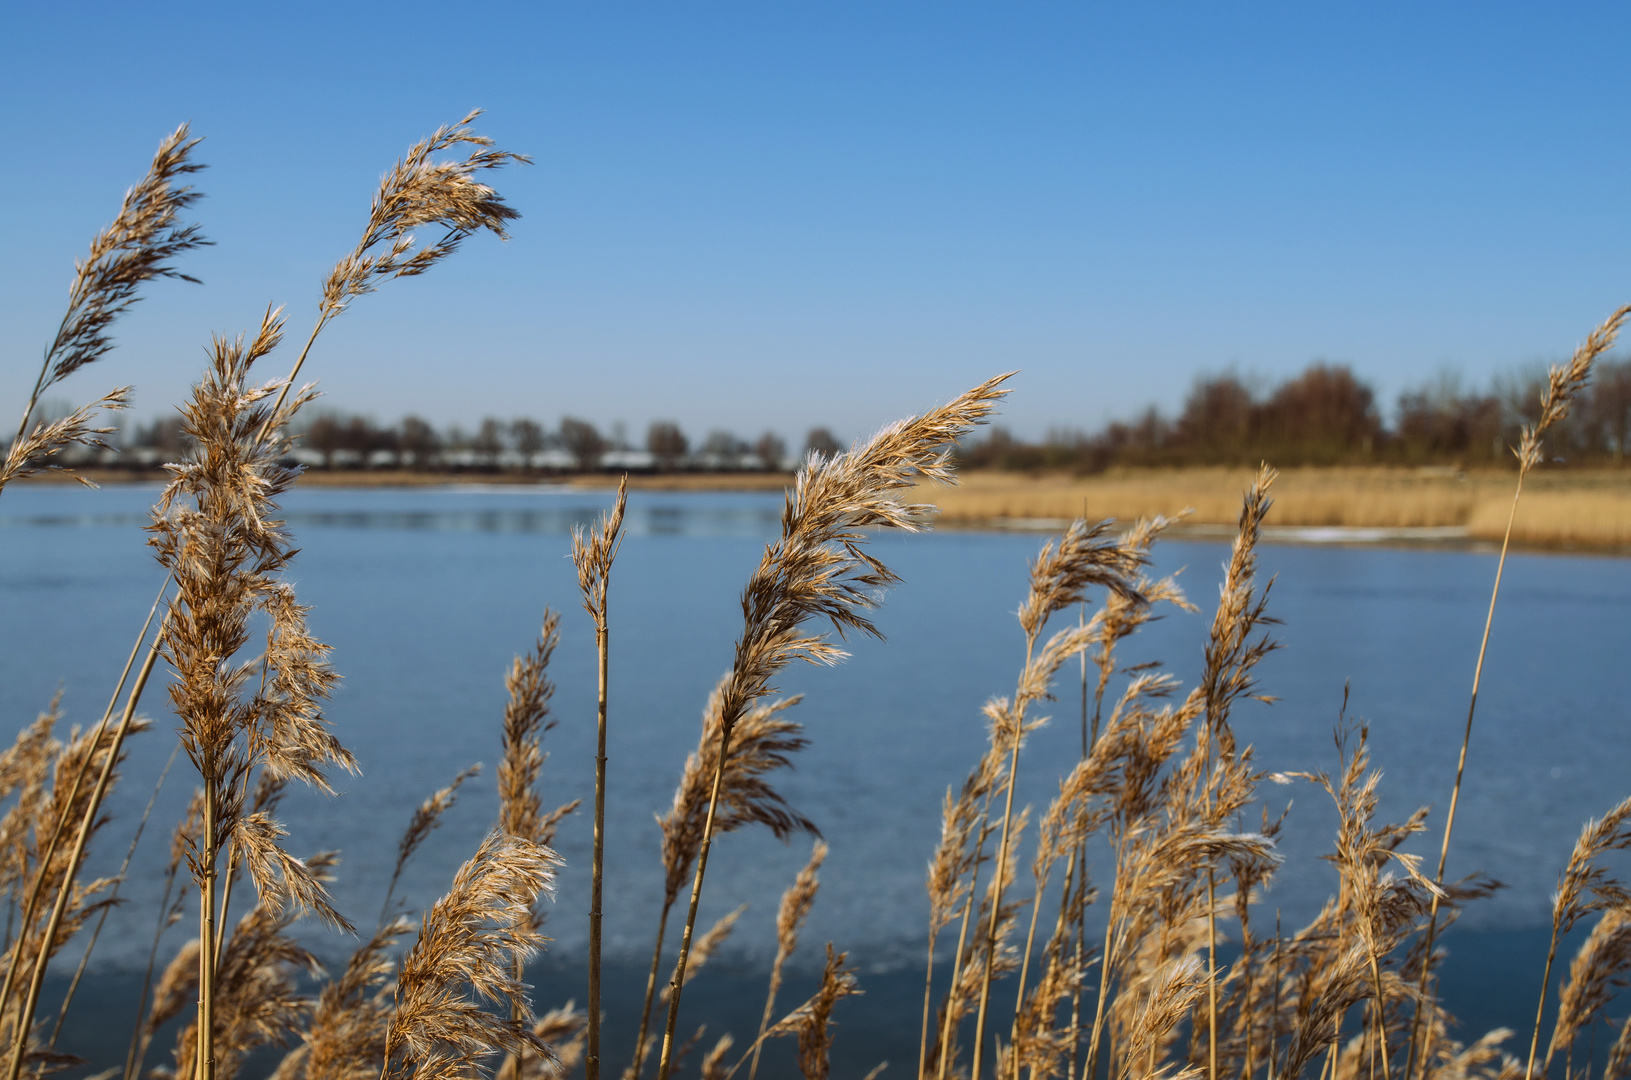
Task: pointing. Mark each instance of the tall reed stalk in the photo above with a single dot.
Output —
(1562, 383)
(818, 569)
(593, 556)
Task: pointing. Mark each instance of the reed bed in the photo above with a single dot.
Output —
(1580, 508)
(1147, 829)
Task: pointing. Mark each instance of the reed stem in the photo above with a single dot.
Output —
(1381, 1019)
(124, 868)
(962, 942)
(1211, 973)
(1002, 870)
(31, 903)
(651, 990)
(923, 1037)
(1540, 1006)
(591, 1061)
(25, 1019)
(1417, 1051)
(205, 1068)
(677, 982)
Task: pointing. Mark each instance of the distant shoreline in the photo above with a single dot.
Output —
(1585, 508)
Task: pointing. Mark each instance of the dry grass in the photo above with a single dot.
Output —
(1575, 507)
(1163, 783)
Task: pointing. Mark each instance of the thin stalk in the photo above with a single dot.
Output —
(1002, 871)
(923, 1037)
(770, 1010)
(1247, 992)
(136, 1055)
(1455, 792)
(1540, 1006)
(651, 990)
(205, 1066)
(39, 381)
(591, 1061)
(124, 867)
(25, 1020)
(1081, 958)
(1079, 856)
(31, 904)
(1381, 1021)
(677, 982)
(221, 920)
(1090, 1069)
(1211, 974)
(277, 406)
(962, 941)
(1025, 964)
(1274, 1015)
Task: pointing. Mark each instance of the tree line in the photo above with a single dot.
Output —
(1326, 415)
(343, 440)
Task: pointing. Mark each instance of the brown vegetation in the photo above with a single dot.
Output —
(1576, 507)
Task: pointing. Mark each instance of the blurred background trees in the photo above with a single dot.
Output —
(1324, 415)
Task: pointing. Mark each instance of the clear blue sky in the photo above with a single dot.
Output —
(787, 214)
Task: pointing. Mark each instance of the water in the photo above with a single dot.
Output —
(426, 595)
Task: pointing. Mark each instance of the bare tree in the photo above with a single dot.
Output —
(583, 442)
(418, 440)
(723, 444)
(489, 441)
(528, 438)
(822, 441)
(771, 450)
(667, 443)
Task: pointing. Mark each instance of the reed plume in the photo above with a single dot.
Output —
(1562, 383)
(214, 529)
(957, 856)
(258, 1000)
(417, 192)
(592, 556)
(138, 246)
(815, 1025)
(346, 1038)
(764, 741)
(818, 569)
(1597, 972)
(1086, 556)
(713, 1065)
(468, 942)
(790, 916)
(526, 720)
(1383, 907)
(53, 800)
(427, 817)
(1584, 889)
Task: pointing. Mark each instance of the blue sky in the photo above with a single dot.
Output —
(787, 214)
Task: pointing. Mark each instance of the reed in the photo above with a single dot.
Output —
(140, 245)
(818, 570)
(790, 917)
(1563, 382)
(593, 556)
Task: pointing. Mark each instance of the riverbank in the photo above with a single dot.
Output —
(1573, 508)
(1588, 509)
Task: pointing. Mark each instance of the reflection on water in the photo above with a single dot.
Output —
(427, 594)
